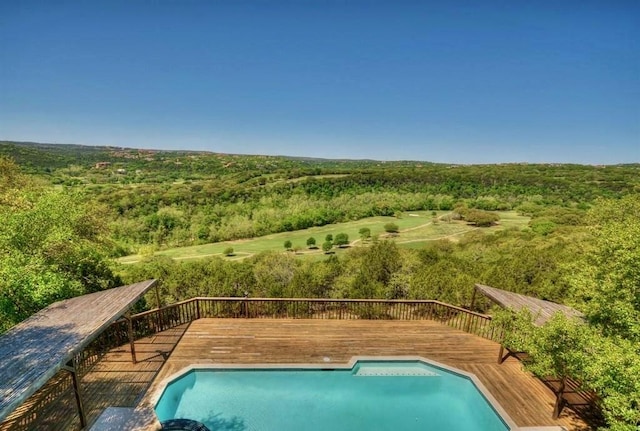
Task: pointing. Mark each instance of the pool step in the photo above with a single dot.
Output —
(373, 371)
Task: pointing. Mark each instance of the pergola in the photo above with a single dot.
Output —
(540, 309)
(33, 351)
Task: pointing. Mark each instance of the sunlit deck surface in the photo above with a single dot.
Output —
(288, 341)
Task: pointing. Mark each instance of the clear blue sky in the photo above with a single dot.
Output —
(447, 81)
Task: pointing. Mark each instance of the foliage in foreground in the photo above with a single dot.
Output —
(602, 352)
(52, 247)
(609, 366)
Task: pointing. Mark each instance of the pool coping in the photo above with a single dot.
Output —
(153, 399)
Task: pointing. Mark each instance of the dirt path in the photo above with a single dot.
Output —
(354, 242)
(439, 238)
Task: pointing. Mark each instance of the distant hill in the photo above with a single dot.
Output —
(46, 157)
(39, 155)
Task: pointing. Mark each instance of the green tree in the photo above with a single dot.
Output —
(287, 245)
(391, 228)
(327, 246)
(311, 242)
(610, 366)
(516, 328)
(228, 251)
(613, 370)
(381, 261)
(558, 348)
(274, 273)
(53, 246)
(328, 238)
(341, 239)
(608, 278)
(542, 226)
(481, 218)
(365, 233)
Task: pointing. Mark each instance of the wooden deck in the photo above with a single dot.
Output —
(116, 381)
(288, 341)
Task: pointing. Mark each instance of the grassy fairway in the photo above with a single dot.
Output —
(416, 228)
(416, 238)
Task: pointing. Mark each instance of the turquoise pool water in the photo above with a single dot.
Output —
(398, 396)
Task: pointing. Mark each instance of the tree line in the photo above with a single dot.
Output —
(170, 215)
(169, 199)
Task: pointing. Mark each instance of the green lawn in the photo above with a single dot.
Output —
(454, 230)
(416, 228)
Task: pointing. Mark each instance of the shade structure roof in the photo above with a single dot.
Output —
(540, 309)
(36, 349)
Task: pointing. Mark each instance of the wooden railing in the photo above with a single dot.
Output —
(161, 319)
(173, 315)
(170, 316)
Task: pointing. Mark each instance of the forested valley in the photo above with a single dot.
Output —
(69, 212)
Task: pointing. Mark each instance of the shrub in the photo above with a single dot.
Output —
(391, 228)
(342, 239)
(481, 218)
(327, 246)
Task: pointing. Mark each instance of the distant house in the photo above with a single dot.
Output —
(102, 165)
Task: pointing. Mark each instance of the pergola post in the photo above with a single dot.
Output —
(131, 339)
(157, 295)
(557, 408)
(77, 392)
(501, 354)
(473, 298)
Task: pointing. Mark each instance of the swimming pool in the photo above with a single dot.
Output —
(367, 394)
